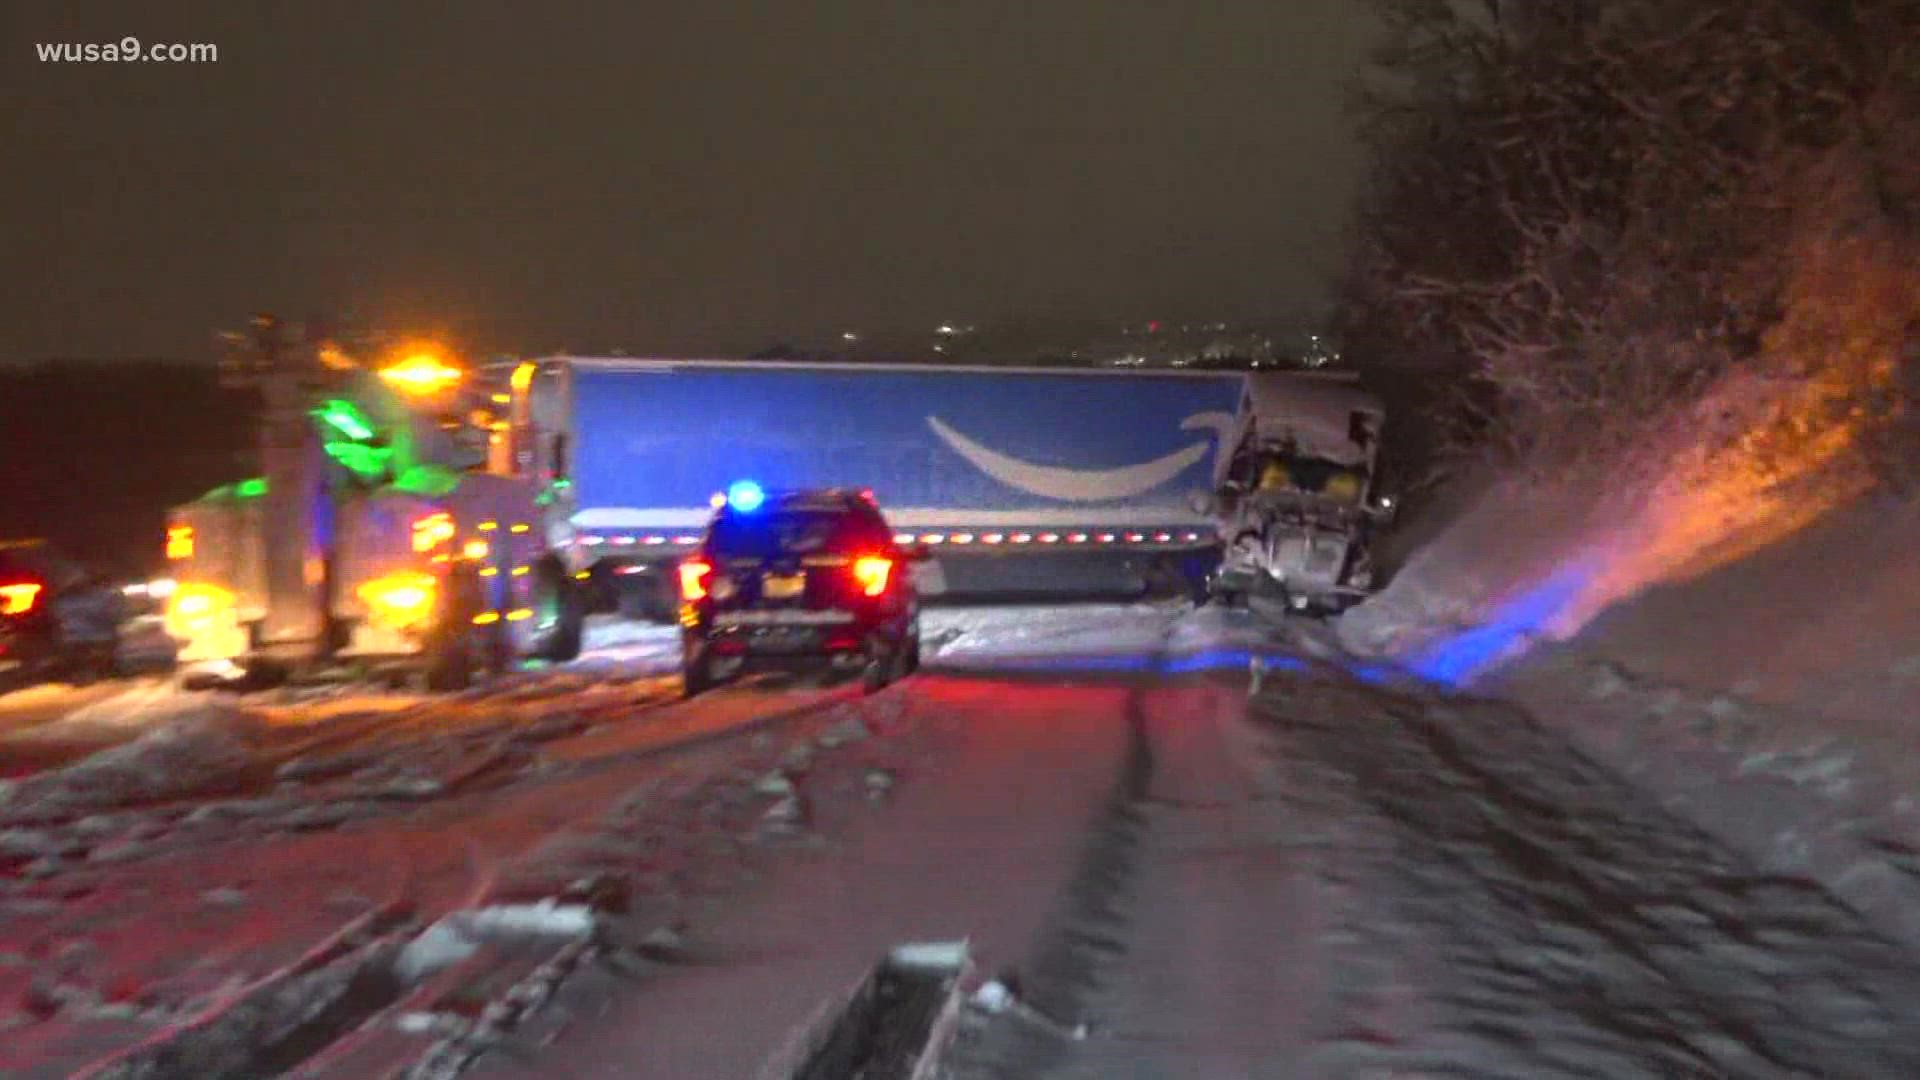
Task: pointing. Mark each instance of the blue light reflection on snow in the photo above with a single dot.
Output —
(1451, 661)
(1456, 659)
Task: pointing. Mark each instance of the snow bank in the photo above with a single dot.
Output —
(191, 748)
(1753, 662)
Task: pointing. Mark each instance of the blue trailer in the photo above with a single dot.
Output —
(974, 461)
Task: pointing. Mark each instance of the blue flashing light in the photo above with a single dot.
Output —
(745, 496)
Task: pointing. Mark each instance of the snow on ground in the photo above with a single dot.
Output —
(1184, 842)
(1758, 673)
(163, 890)
(955, 633)
(631, 643)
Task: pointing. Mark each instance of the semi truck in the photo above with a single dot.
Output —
(1097, 477)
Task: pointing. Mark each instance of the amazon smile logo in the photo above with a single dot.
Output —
(1087, 485)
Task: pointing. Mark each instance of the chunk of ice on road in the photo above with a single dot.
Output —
(459, 935)
(774, 784)
(930, 955)
(993, 997)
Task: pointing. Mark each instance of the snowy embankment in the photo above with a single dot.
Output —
(1751, 657)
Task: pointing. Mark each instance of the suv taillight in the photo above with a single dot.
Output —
(19, 597)
(694, 575)
(872, 572)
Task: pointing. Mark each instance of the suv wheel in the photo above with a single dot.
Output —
(694, 679)
(885, 662)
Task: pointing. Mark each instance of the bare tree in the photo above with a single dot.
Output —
(1584, 214)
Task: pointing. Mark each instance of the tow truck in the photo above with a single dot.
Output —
(401, 526)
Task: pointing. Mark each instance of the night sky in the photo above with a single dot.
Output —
(693, 176)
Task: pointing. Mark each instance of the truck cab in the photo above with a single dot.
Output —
(1296, 495)
(386, 534)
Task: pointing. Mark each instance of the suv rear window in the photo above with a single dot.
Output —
(795, 532)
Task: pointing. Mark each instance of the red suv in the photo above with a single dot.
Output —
(799, 579)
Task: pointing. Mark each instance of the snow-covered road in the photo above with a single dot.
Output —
(1176, 872)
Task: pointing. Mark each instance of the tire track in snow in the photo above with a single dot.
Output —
(1083, 941)
(1580, 929)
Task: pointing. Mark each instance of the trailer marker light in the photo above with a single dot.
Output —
(1022, 538)
(488, 526)
(475, 549)
(431, 531)
(1135, 538)
(686, 539)
(963, 538)
(517, 614)
(903, 539)
(1076, 538)
(1162, 538)
(593, 541)
(934, 538)
(623, 541)
(521, 527)
(992, 538)
(486, 618)
(583, 575)
(180, 542)
(745, 496)
(1049, 538)
(1107, 538)
(522, 571)
(656, 541)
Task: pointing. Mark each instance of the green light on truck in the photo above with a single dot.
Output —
(250, 489)
(428, 479)
(367, 461)
(344, 417)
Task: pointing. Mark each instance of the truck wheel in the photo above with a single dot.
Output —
(450, 668)
(701, 671)
(569, 610)
(451, 648)
(694, 679)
